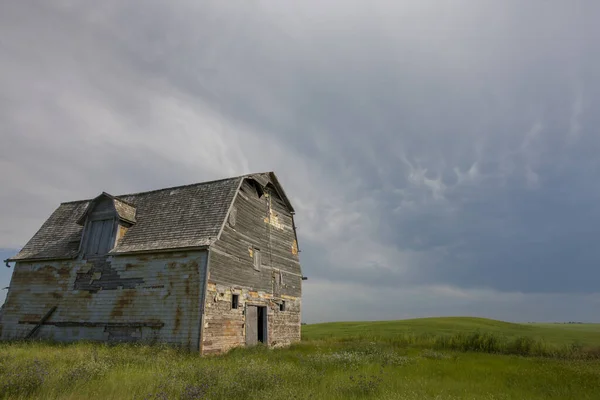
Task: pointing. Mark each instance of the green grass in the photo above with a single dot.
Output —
(442, 358)
(559, 334)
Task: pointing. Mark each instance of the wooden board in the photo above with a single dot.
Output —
(251, 325)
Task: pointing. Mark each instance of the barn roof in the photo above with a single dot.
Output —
(170, 218)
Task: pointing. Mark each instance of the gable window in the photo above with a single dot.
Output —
(235, 299)
(257, 259)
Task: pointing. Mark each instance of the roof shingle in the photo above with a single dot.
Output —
(177, 217)
(126, 211)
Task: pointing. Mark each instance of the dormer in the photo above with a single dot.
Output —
(105, 221)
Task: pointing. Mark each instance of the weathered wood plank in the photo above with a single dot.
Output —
(44, 318)
(261, 222)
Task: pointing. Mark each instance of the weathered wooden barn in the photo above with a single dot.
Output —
(207, 266)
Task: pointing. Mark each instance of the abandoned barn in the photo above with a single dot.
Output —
(207, 266)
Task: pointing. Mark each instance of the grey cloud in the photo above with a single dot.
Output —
(449, 144)
(328, 298)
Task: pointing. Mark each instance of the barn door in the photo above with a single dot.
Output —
(256, 325)
(262, 324)
(251, 325)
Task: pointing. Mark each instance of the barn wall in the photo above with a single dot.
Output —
(266, 224)
(224, 327)
(153, 297)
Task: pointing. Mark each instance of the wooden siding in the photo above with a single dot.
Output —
(150, 298)
(263, 223)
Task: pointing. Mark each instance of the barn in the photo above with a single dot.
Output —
(207, 267)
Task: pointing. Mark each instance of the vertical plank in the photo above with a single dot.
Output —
(251, 325)
(94, 237)
(104, 246)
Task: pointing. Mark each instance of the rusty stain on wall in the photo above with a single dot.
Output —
(121, 231)
(124, 300)
(178, 316)
(115, 307)
(49, 274)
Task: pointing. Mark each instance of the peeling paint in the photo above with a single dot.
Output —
(273, 220)
(103, 277)
(123, 333)
(155, 301)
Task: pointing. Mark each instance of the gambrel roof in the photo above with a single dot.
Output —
(170, 218)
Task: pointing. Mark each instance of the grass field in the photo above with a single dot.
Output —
(438, 358)
(554, 334)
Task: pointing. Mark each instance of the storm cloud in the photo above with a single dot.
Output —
(441, 156)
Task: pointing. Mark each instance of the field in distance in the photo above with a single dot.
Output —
(431, 358)
(552, 333)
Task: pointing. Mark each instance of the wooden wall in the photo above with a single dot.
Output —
(263, 223)
(148, 298)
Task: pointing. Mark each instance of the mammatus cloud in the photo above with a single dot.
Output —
(439, 155)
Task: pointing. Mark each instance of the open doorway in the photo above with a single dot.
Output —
(256, 325)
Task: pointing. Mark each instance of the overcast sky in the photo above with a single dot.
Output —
(442, 156)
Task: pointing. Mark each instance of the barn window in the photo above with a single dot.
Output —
(100, 237)
(104, 221)
(235, 298)
(282, 305)
(257, 259)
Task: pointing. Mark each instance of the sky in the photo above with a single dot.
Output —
(441, 155)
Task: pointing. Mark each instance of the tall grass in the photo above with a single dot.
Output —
(361, 364)
(483, 342)
(521, 345)
(324, 369)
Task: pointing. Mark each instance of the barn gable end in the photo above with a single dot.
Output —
(255, 265)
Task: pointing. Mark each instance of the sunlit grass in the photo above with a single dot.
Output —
(460, 364)
(584, 334)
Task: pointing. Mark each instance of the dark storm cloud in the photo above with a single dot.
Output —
(438, 145)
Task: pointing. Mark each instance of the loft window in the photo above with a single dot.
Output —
(102, 224)
(235, 300)
(282, 305)
(100, 237)
(257, 259)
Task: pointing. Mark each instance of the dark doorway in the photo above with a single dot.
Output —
(262, 324)
(256, 325)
